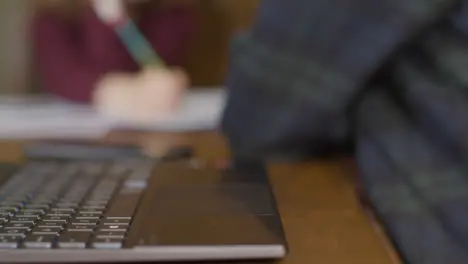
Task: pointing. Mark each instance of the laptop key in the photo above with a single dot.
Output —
(107, 243)
(84, 222)
(91, 211)
(22, 220)
(74, 240)
(33, 211)
(9, 242)
(4, 214)
(70, 200)
(12, 232)
(30, 216)
(120, 222)
(66, 205)
(90, 201)
(90, 223)
(111, 234)
(57, 219)
(59, 214)
(10, 209)
(59, 210)
(93, 207)
(113, 228)
(8, 204)
(39, 241)
(81, 228)
(15, 200)
(26, 226)
(46, 230)
(41, 201)
(89, 216)
(43, 206)
(51, 224)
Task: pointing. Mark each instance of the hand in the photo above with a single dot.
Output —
(142, 98)
(162, 88)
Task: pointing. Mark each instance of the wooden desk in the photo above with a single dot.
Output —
(322, 218)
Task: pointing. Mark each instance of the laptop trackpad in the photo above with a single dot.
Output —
(210, 212)
(233, 199)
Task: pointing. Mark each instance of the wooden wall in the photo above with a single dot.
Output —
(220, 20)
(14, 48)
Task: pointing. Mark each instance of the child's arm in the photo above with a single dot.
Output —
(73, 56)
(69, 71)
(63, 68)
(170, 30)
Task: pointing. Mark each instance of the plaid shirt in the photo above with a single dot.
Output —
(391, 75)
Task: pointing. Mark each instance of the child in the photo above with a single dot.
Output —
(75, 50)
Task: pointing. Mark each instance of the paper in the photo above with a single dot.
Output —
(200, 110)
(40, 117)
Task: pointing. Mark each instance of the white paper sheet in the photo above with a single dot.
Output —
(31, 117)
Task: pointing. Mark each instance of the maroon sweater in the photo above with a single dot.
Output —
(72, 56)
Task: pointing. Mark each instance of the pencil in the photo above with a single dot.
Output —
(137, 44)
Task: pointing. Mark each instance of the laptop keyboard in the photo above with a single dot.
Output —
(49, 205)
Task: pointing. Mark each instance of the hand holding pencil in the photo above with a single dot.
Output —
(144, 97)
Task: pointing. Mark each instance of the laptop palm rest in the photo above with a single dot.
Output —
(188, 207)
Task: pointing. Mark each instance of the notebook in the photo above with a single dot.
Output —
(45, 116)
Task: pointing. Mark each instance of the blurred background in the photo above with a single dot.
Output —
(220, 19)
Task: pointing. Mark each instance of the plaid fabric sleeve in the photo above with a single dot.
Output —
(292, 76)
(412, 147)
(418, 188)
(432, 79)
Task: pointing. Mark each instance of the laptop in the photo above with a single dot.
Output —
(135, 209)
